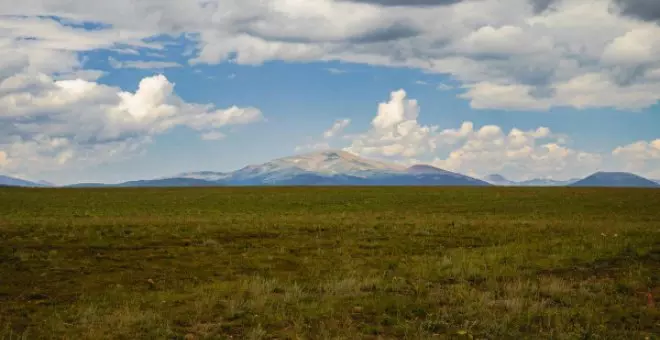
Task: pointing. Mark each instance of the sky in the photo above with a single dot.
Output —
(109, 91)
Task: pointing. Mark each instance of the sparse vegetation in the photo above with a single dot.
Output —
(329, 263)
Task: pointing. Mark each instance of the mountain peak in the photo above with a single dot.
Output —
(332, 162)
(331, 167)
(615, 179)
(327, 154)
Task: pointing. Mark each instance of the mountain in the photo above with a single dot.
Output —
(169, 182)
(17, 182)
(546, 182)
(497, 179)
(330, 167)
(615, 179)
(423, 169)
(204, 175)
(320, 164)
(536, 182)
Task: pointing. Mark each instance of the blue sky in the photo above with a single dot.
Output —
(90, 93)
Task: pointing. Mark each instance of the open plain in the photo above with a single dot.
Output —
(329, 263)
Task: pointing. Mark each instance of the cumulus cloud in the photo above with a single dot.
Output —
(47, 124)
(514, 55)
(527, 48)
(395, 130)
(641, 157)
(45, 45)
(640, 151)
(396, 134)
(518, 154)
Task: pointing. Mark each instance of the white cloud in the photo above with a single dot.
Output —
(490, 46)
(444, 87)
(328, 136)
(130, 51)
(642, 157)
(396, 133)
(142, 64)
(486, 95)
(43, 45)
(336, 128)
(4, 160)
(580, 54)
(634, 47)
(336, 70)
(639, 151)
(47, 124)
(517, 154)
(594, 90)
(395, 130)
(503, 41)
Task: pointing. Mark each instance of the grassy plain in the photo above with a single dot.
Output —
(329, 263)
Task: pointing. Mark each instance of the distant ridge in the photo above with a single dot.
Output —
(327, 168)
(616, 179)
(341, 168)
(544, 182)
(170, 182)
(500, 180)
(17, 182)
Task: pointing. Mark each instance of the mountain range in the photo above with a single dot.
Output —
(332, 168)
(335, 167)
(496, 179)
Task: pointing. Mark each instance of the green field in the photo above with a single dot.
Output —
(330, 263)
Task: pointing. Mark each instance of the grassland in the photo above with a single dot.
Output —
(329, 263)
